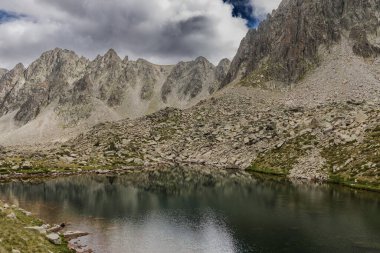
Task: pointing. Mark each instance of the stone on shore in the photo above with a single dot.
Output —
(54, 238)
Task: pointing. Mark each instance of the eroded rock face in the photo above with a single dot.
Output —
(78, 87)
(285, 46)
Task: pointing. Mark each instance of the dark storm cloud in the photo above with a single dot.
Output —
(178, 38)
(124, 24)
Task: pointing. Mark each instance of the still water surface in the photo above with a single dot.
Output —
(205, 215)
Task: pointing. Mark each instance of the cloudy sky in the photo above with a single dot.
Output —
(162, 31)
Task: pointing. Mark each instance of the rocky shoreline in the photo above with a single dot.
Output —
(22, 232)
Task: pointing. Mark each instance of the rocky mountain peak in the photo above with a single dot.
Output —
(189, 79)
(18, 68)
(285, 46)
(2, 72)
(143, 61)
(222, 69)
(14, 74)
(108, 61)
(56, 56)
(111, 55)
(224, 62)
(58, 63)
(202, 59)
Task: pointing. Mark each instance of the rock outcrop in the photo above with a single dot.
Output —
(285, 46)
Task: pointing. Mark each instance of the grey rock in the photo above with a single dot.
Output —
(70, 235)
(26, 165)
(15, 167)
(361, 117)
(12, 216)
(54, 238)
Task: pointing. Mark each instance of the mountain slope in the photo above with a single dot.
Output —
(286, 45)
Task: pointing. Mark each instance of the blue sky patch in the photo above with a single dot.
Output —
(244, 9)
(7, 16)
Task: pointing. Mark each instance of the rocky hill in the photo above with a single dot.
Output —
(287, 44)
(61, 90)
(304, 102)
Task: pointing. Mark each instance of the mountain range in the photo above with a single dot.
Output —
(301, 98)
(62, 90)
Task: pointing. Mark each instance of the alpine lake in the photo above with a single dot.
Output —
(197, 210)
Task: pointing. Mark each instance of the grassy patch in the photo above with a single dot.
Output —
(356, 164)
(13, 234)
(335, 179)
(280, 160)
(261, 75)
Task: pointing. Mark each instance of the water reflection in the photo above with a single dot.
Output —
(185, 212)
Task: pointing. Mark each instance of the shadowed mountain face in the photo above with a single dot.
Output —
(76, 88)
(285, 46)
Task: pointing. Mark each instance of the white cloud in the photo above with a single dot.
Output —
(263, 7)
(163, 31)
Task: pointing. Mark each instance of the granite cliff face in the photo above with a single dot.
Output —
(69, 89)
(286, 45)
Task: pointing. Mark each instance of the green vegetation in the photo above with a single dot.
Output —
(356, 164)
(273, 70)
(166, 133)
(264, 73)
(14, 235)
(280, 161)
